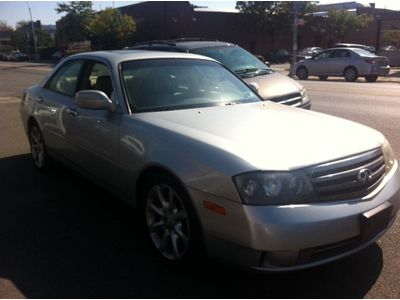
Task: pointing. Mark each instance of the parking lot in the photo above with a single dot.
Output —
(63, 237)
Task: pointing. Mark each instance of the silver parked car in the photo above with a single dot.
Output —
(270, 85)
(349, 63)
(209, 165)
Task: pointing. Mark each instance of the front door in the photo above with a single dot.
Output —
(95, 133)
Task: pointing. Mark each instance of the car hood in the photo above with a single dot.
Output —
(274, 85)
(269, 136)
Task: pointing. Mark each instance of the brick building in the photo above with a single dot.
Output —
(179, 19)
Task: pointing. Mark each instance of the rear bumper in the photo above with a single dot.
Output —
(376, 70)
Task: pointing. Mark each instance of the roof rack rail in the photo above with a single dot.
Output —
(163, 42)
(192, 40)
(172, 42)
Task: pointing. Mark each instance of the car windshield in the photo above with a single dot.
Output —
(169, 84)
(363, 52)
(236, 59)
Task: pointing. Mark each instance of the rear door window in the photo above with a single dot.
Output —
(65, 81)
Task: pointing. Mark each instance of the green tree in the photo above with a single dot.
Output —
(4, 26)
(273, 17)
(44, 39)
(265, 16)
(75, 24)
(341, 22)
(20, 37)
(111, 30)
(391, 37)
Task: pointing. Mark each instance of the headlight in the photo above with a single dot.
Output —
(274, 188)
(389, 155)
(304, 96)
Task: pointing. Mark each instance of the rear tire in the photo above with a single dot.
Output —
(302, 73)
(350, 74)
(371, 78)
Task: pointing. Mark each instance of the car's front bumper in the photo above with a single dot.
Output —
(286, 238)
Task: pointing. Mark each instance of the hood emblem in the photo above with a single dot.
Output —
(364, 176)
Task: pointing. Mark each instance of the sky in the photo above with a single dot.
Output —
(14, 11)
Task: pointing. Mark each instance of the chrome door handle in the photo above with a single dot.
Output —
(72, 112)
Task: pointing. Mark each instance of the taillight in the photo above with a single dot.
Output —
(369, 61)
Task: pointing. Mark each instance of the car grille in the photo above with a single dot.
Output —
(293, 99)
(348, 178)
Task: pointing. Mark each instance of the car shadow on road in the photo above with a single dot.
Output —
(63, 237)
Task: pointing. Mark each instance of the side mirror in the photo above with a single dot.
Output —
(93, 99)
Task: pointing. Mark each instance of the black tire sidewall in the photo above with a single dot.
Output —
(46, 162)
(371, 78)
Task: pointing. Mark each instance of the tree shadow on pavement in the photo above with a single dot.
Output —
(63, 237)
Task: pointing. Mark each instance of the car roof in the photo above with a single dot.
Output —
(352, 45)
(117, 56)
(185, 44)
(340, 48)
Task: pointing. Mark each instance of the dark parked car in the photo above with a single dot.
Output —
(280, 56)
(58, 55)
(270, 85)
(308, 52)
(16, 56)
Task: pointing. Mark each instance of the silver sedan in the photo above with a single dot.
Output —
(349, 63)
(209, 165)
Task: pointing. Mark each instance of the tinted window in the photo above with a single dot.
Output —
(340, 53)
(362, 52)
(165, 84)
(99, 78)
(323, 55)
(66, 79)
(235, 58)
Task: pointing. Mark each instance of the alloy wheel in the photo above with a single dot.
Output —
(37, 147)
(350, 74)
(167, 222)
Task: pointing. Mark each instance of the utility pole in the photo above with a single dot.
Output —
(295, 23)
(33, 31)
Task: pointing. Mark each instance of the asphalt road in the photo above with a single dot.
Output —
(63, 237)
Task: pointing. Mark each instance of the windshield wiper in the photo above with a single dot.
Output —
(253, 71)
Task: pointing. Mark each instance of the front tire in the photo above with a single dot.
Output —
(302, 73)
(371, 78)
(170, 221)
(350, 74)
(38, 148)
